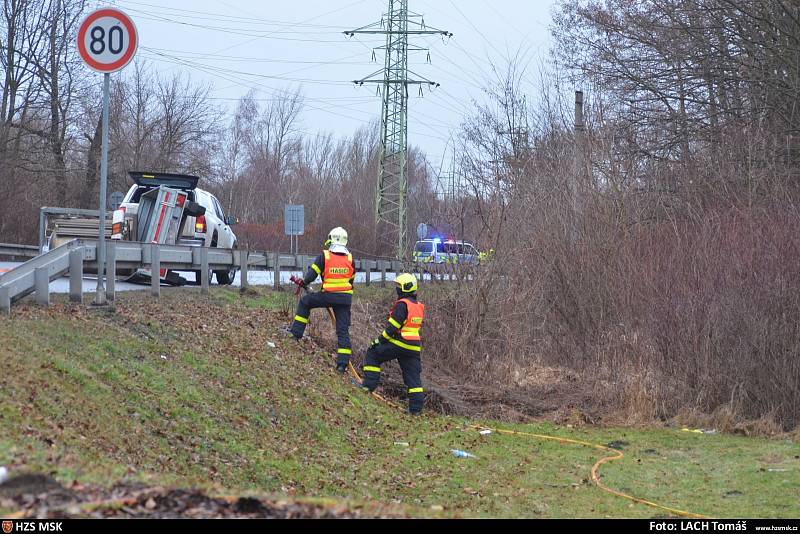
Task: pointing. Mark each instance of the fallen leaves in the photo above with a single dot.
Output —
(42, 497)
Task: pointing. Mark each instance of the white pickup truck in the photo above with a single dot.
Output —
(212, 229)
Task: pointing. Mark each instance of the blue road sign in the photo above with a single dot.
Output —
(294, 222)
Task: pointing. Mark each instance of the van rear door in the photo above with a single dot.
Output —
(186, 182)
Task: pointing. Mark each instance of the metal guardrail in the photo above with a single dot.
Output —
(20, 251)
(36, 274)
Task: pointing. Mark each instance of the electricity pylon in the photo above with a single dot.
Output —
(397, 24)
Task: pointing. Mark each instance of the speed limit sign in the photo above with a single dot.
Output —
(107, 40)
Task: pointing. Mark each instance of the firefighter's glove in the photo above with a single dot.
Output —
(299, 282)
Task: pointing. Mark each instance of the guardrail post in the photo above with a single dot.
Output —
(204, 275)
(111, 270)
(155, 271)
(42, 230)
(383, 273)
(42, 283)
(276, 275)
(76, 276)
(367, 267)
(244, 256)
(5, 301)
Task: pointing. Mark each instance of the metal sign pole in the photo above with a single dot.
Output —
(100, 298)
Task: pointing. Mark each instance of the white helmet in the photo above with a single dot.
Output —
(338, 236)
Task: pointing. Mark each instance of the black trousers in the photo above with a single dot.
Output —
(340, 303)
(410, 365)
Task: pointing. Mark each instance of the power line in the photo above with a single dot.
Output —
(256, 75)
(233, 30)
(504, 19)
(235, 18)
(477, 30)
(250, 84)
(357, 2)
(216, 70)
(224, 57)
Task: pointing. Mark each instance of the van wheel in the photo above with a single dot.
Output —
(197, 274)
(225, 278)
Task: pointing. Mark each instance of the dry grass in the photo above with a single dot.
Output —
(692, 316)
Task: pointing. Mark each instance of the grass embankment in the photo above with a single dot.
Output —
(161, 393)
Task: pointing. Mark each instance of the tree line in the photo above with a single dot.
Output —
(652, 256)
(255, 158)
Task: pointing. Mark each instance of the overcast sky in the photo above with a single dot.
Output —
(238, 45)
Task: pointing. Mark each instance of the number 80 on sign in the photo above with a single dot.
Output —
(107, 40)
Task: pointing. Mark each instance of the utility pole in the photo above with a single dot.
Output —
(394, 79)
(580, 137)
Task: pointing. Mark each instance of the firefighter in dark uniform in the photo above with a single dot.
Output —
(401, 341)
(335, 266)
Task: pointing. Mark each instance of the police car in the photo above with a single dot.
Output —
(448, 251)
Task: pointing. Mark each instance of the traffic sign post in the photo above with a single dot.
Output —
(294, 224)
(107, 41)
(422, 231)
(115, 199)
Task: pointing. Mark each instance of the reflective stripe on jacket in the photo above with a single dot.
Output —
(409, 330)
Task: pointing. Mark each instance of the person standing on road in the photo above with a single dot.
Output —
(335, 266)
(400, 340)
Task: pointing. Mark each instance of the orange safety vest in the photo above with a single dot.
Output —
(409, 330)
(338, 272)
(413, 323)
